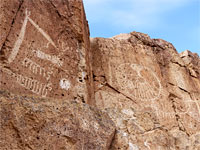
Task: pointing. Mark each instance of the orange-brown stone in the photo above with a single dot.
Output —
(44, 49)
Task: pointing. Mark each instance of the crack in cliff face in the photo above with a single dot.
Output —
(11, 26)
(108, 85)
(177, 63)
(184, 90)
(178, 119)
(112, 140)
(56, 10)
(117, 91)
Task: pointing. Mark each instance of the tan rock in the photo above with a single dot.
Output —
(192, 62)
(44, 49)
(36, 123)
(151, 93)
(148, 90)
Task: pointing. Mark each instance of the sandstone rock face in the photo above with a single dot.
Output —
(145, 89)
(44, 48)
(150, 91)
(38, 124)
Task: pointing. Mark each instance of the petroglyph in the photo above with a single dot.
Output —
(42, 32)
(65, 84)
(20, 39)
(138, 81)
(36, 69)
(29, 83)
(53, 59)
(133, 146)
(194, 103)
(196, 97)
(34, 85)
(147, 145)
(190, 110)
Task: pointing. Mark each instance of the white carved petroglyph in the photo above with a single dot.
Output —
(65, 84)
(33, 85)
(20, 39)
(29, 83)
(36, 69)
(42, 32)
(147, 145)
(132, 146)
(190, 110)
(194, 103)
(196, 97)
(53, 59)
(138, 81)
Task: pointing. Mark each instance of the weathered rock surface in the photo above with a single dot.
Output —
(30, 123)
(150, 92)
(44, 48)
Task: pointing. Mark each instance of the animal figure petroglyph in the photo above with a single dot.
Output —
(138, 81)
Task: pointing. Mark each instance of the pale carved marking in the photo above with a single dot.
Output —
(65, 84)
(42, 32)
(36, 69)
(195, 100)
(196, 97)
(30, 84)
(20, 39)
(33, 85)
(132, 146)
(52, 58)
(138, 81)
(189, 110)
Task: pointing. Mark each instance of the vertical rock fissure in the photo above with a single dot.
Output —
(178, 119)
(12, 23)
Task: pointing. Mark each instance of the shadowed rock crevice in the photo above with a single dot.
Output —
(12, 23)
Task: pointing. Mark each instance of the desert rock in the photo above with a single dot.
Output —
(150, 92)
(36, 123)
(44, 49)
(61, 90)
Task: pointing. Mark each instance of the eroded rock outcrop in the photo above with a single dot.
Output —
(145, 89)
(150, 92)
(44, 48)
(38, 124)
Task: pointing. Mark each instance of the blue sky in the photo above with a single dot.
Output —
(176, 21)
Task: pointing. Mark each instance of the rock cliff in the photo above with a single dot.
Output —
(150, 91)
(61, 90)
(44, 48)
(31, 123)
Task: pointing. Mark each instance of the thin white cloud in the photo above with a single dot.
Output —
(130, 13)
